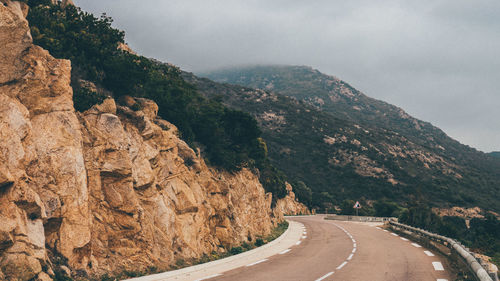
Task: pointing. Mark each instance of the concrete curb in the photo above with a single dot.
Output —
(197, 272)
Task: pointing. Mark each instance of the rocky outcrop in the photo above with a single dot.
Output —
(146, 185)
(466, 213)
(107, 190)
(289, 205)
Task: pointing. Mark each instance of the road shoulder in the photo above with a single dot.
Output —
(201, 271)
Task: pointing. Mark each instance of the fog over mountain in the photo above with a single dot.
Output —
(436, 59)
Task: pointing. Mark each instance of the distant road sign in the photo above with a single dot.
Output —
(357, 205)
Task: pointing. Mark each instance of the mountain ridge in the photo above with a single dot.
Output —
(401, 145)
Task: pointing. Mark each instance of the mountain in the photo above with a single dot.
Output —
(322, 131)
(495, 154)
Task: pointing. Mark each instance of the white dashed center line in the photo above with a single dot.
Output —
(341, 265)
(208, 277)
(298, 242)
(285, 251)
(257, 262)
(324, 276)
(404, 239)
(442, 280)
(394, 234)
(416, 245)
(350, 257)
(429, 253)
(304, 237)
(437, 265)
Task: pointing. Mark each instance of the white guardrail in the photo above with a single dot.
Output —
(476, 268)
(359, 218)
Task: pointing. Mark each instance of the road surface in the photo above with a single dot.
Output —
(335, 250)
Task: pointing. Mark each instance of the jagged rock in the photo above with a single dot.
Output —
(42, 276)
(15, 38)
(6, 178)
(107, 190)
(289, 205)
(20, 266)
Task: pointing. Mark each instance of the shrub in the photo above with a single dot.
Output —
(236, 250)
(84, 99)
(259, 242)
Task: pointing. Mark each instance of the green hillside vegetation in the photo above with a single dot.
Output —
(230, 139)
(495, 154)
(482, 235)
(348, 146)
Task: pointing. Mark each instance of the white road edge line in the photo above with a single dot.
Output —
(341, 265)
(416, 245)
(437, 265)
(350, 257)
(324, 276)
(257, 262)
(429, 253)
(285, 251)
(209, 277)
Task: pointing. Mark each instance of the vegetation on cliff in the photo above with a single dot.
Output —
(230, 139)
(482, 235)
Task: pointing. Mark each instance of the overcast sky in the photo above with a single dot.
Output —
(439, 60)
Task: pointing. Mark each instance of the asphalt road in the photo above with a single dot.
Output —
(335, 250)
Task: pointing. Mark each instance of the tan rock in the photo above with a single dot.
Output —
(15, 38)
(110, 189)
(289, 205)
(107, 106)
(42, 276)
(6, 178)
(20, 266)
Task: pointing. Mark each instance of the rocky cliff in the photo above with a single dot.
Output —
(107, 190)
(290, 205)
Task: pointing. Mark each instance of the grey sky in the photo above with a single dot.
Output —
(439, 60)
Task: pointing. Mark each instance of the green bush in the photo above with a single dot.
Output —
(236, 250)
(259, 242)
(84, 99)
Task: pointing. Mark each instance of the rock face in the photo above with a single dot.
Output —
(290, 205)
(107, 190)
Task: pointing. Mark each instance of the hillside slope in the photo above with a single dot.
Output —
(495, 154)
(324, 132)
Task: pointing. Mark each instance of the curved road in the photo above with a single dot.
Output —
(335, 250)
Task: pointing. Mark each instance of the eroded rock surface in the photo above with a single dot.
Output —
(290, 205)
(107, 190)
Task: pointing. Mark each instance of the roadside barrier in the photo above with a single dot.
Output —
(474, 265)
(359, 218)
